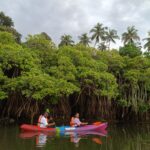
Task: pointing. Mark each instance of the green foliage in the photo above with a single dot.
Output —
(13, 55)
(145, 78)
(132, 76)
(17, 35)
(5, 20)
(6, 38)
(38, 71)
(123, 103)
(114, 61)
(144, 107)
(3, 93)
(130, 50)
(39, 42)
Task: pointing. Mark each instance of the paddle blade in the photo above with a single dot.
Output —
(97, 123)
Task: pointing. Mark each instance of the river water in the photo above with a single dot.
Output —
(118, 137)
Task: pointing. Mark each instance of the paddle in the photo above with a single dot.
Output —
(94, 123)
(97, 123)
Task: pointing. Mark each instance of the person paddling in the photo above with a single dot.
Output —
(43, 121)
(77, 121)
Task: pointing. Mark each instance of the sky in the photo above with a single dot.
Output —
(75, 17)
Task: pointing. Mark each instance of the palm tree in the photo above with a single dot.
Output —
(131, 36)
(84, 39)
(98, 33)
(111, 35)
(147, 44)
(102, 46)
(66, 40)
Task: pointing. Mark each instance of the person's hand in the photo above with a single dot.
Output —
(51, 124)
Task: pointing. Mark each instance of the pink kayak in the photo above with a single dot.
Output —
(99, 127)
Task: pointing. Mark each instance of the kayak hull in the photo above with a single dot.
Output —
(33, 128)
(99, 127)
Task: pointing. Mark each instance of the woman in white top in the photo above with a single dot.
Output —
(43, 122)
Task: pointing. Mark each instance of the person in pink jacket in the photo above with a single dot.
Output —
(77, 121)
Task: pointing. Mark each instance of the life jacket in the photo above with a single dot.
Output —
(72, 121)
(39, 120)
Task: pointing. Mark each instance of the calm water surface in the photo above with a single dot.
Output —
(119, 137)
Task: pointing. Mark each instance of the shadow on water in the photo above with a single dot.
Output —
(120, 137)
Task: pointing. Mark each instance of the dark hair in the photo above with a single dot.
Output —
(76, 113)
(46, 113)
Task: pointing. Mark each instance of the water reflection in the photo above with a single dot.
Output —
(74, 137)
(97, 140)
(120, 137)
(41, 140)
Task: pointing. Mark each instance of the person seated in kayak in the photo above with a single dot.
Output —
(47, 110)
(43, 121)
(77, 121)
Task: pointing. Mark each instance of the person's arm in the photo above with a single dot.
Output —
(51, 124)
(79, 123)
(84, 123)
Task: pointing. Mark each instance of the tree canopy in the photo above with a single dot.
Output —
(5, 20)
(36, 74)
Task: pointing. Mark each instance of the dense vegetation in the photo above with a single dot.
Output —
(98, 82)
